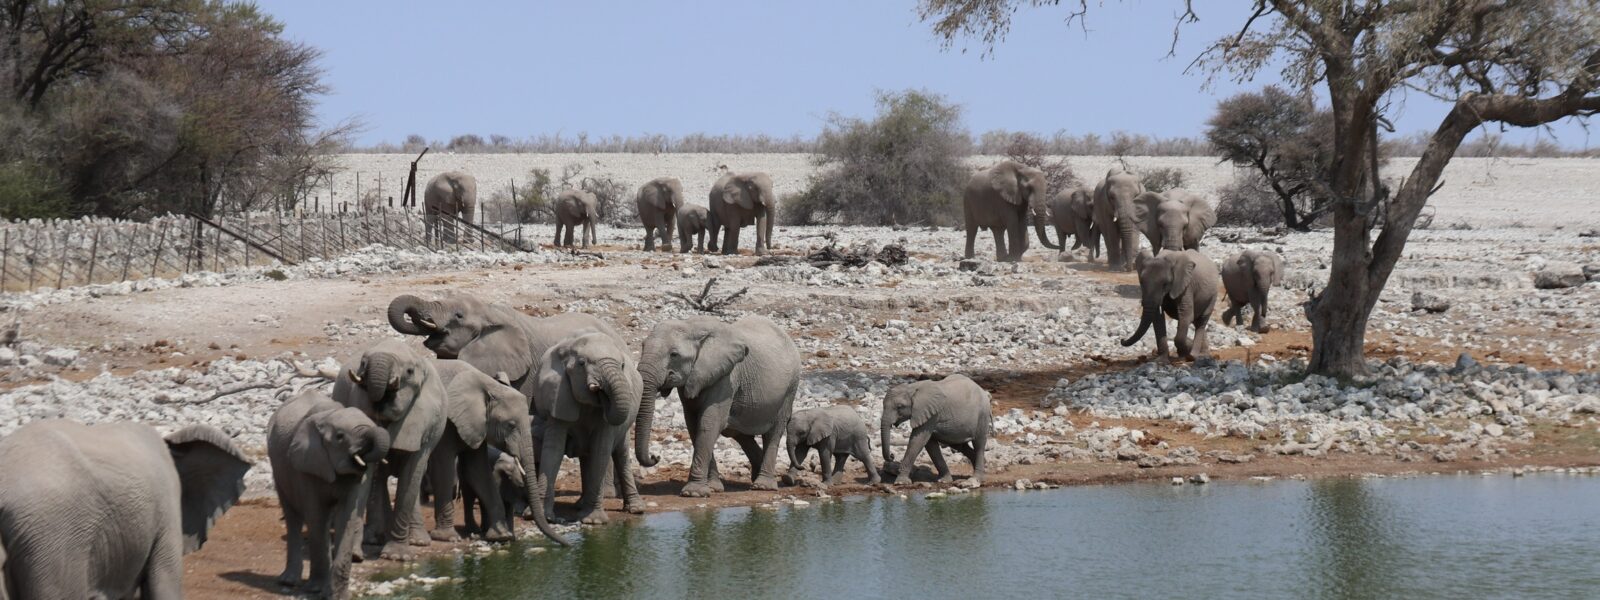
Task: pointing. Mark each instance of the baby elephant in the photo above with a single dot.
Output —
(507, 479)
(1248, 278)
(837, 432)
(952, 412)
(321, 452)
(693, 221)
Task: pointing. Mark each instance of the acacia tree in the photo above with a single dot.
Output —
(1523, 63)
(1285, 140)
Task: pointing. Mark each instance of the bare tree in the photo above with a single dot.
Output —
(1522, 63)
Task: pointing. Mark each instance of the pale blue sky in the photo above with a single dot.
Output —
(755, 66)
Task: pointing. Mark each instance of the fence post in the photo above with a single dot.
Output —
(216, 253)
(33, 262)
(155, 263)
(94, 252)
(5, 257)
(127, 257)
(61, 274)
(247, 233)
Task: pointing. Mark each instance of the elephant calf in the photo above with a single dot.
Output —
(1247, 279)
(952, 412)
(321, 452)
(1183, 284)
(693, 222)
(507, 480)
(837, 433)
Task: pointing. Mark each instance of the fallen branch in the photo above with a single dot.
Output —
(705, 302)
(298, 373)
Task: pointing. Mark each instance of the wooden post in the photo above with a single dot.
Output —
(5, 256)
(247, 232)
(94, 253)
(302, 239)
(128, 245)
(155, 264)
(33, 261)
(216, 253)
(61, 273)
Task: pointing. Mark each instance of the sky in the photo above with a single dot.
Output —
(776, 67)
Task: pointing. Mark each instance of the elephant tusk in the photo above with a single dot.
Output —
(521, 471)
(426, 323)
(594, 387)
(354, 377)
(359, 462)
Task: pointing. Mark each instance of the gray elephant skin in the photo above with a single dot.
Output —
(1116, 217)
(1183, 284)
(108, 511)
(659, 202)
(321, 453)
(1000, 199)
(836, 433)
(952, 412)
(484, 412)
(741, 199)
(507, 475)
(587, 399)
(574, 208)
(1072, 212)
(452, 193)
(736, 379)
(1175, 220)
(693, 222)
(1248, 278)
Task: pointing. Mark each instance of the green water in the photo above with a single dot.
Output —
(1436, 537)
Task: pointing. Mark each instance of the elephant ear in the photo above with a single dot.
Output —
(763, 186)
(557, 392)
(1201, 217)
(1277, 267)
(502, 349)
(1146, 204)
(927, 403)
(307, 453)
(820, 428)
(1182, 272)
(719, 352)
(1003, 180)
(674, 194)
(211, 478)
(466, 406)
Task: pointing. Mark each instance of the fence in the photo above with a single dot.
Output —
(37, 254)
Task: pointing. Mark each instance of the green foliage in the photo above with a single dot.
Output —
(28, 191)
(902, 167)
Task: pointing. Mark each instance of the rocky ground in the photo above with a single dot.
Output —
(1071, 404)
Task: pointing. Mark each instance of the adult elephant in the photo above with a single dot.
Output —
(952, 412)
(693, 221)
(741, 199)
(108, 511)
(587, 400)
(1072, 212)
(1248, 278)
(574, 208)
(659, 202)
(735, 379)
(999, 199)
(484, 413)
(1183, 285)
(1175, 220)
(449, 194)
(1116, 217)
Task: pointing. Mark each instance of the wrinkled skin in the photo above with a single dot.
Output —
(837, 433)
(588, 397)
(108, 511)
(659, 202)
(1116, 218)
(1000, 199)
(321, 453)
(741, 199)
(735, 379)
(952, 412)
(572, 209)
(507, 475)
(1072, 212)
(1175, 220)
(484, 414)
(1183, 284)
(693, 222)
(451, 193)
(1248, 278)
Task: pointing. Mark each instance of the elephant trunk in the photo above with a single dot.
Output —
(375, 378)
(376, 442)
(1151, 314)
(648, 393)
(885, 427)
(533, 487)
(616, 388)
(1130, 241)
(409, 315)
(1044, 238)
(1172, 239)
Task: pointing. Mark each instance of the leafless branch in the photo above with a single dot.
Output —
(705, 302)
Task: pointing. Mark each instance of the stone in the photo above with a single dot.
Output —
(60, 357)
(7, 355)
(1591, 272)
(1429, 302)
(1464, 363)
(1558, 276)
(1494, 429)
(1177, 481)
(1022, 484)
(1200, 479)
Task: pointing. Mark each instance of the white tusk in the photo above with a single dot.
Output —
(427, 323)
(520, 471)
(359, 462)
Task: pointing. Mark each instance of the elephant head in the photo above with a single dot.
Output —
(664, 194)
(487, 409)
(810, 426)
(749, 191)
(1163, 277)
(1080, 205)
(210, 475)
(1024, 187)
(393, 379)
(464, 327)
(917, 402)
(1173, 221)
(587, 370)
(337, 443)
(1116, 217)
(689, 355)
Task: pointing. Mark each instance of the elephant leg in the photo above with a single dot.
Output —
(700, 243)
(571, 229)
(701, 469)
(863, 453)
(825, 457)
(295, 545)
(1181, 337)
(999, 243)
(497, 525)
(972, 240)
(797, 457)
(980, 450)
(667, 233)
(914, 446)
(1017, 227)
(442, 476)
(557, 241)
(762, 238)
(378, 507)
(470, 502)
(627, 481)
(551, 452)
(163, 570)
(650, 238)
(594, 469)
(403, 518)
(346, 521)
(321, 554)
(730, 239)
(1259, 307)
(752, 452)
(1231, 316)
(764, 475)
(939, 466)
(1202, 346)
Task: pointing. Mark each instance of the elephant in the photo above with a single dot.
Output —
(109, 510)
(452, 193)
(836, 432)
(736, 379)
(1115, 217)
(1072, 212)
(1247, 279)
(1175, 220)
(953, 412)
(1183, 284)
(484, 412)
(740, 199)
(659, 202)
(587, 399)
(321, 452)
(574, 208)
(693, 221)
(999, 199)
(506, 475)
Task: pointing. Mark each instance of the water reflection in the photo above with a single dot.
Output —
(1350, 529)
